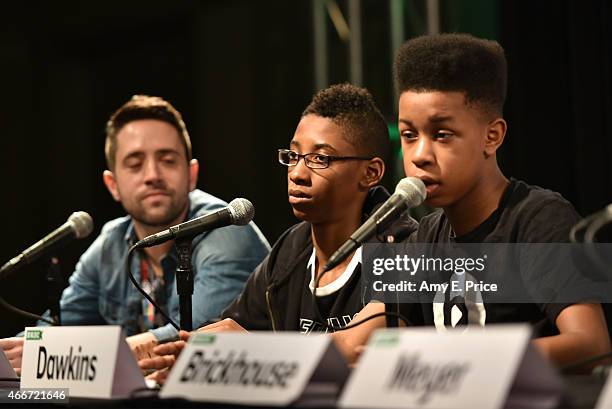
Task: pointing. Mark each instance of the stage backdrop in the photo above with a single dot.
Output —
(241, 72)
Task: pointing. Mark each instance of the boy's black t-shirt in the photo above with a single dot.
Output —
(526, 214)
(338, 308)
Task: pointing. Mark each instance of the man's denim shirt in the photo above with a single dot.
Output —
(100, 291)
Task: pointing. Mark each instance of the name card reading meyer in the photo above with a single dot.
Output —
(419, 367)
(257, 368)
(91, 361)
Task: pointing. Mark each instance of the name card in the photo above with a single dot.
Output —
(91, 361)
(258, 368)
(605, 397)
(7, 372)
(419, 367)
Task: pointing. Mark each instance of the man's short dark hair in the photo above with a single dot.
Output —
(143, 107)
(353, 109)
(454, 62)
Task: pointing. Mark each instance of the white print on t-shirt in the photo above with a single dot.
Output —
(307, 326)
(476, 311)
(339, 282)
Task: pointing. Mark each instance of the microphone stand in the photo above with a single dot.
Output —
(56, 282)
(391, 319)
(184, 282)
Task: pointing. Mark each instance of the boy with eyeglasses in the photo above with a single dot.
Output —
(334, 163)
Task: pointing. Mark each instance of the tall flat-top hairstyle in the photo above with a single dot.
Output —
(353, 109)
(455, 62)
(143, 107)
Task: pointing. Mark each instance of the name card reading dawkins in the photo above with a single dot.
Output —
(91, 361)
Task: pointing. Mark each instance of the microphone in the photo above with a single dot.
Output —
(585, 230)
(78, 226)
(409, 192)
(238, 212)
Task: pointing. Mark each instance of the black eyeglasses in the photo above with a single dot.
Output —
(312, 160)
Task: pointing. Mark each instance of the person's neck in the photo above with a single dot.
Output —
(155, 254)
(328, 237)
(478, 204)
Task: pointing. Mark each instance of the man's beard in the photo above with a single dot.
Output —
(160, 221)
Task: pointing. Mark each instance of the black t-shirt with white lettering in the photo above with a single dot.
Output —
(526, 214)
(338, 308)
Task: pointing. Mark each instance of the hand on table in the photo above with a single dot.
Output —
(165, 355)
(163, 358)
(13, 349)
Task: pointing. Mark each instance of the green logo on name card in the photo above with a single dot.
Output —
(34, 335)
(204, 339)
(385, 339)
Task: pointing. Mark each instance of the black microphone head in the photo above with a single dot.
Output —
(81, 223)
(413, 190)
(242, 211)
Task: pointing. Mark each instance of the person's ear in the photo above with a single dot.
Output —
(496, 132)
(373, 173)
(111, 184)
(194, 168)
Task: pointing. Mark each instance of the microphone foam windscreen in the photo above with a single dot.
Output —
(242, 211)
(413, 189)
(82, 224)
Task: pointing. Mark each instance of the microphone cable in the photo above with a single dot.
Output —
(585, 361)
(10, 307)
(128, 268)
(331, 327)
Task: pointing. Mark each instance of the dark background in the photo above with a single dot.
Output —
(241, 72)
